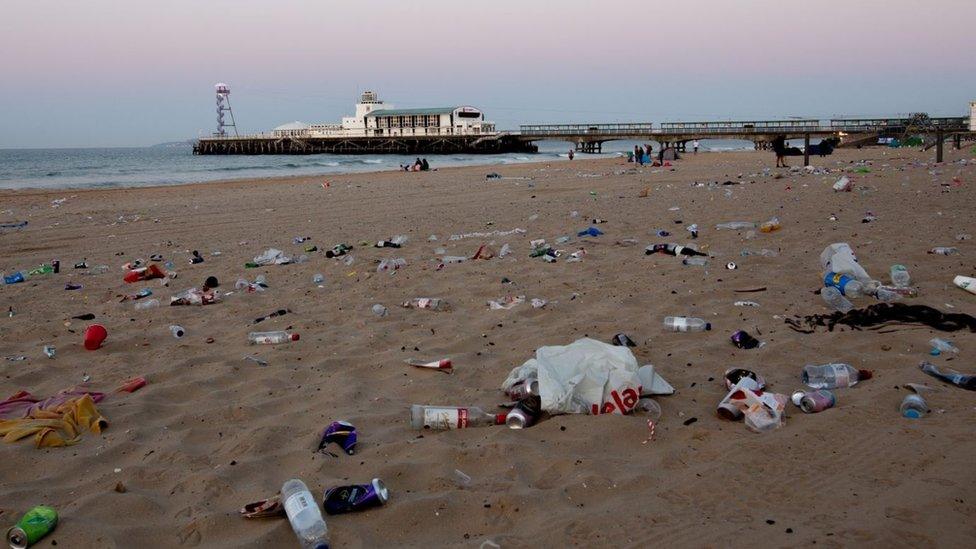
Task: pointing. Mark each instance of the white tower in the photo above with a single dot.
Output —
(223, 104)
(972, 116)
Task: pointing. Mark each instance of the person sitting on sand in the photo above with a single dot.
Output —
(424, 166)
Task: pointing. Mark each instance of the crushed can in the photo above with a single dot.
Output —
(743, 340)
(621, 340)
(342, 433)
(37, 523)
(355, 497)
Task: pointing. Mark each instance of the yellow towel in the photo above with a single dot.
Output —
(60, 426)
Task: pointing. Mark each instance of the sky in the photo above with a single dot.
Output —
(133, 72)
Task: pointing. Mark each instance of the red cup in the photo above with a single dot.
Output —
(94, 336)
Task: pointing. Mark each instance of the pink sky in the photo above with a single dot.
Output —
(101, 56)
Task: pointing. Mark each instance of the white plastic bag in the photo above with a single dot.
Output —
(840, 258)
(585, 377)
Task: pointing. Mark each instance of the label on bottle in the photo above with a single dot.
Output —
(842, 378)
(681, 324)
(446, 418)
(423, 303)
(297, 503)
(837, 280)
(263, 340)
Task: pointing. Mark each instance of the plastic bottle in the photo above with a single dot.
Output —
(886, 295)
(735, 226)
(944, 250)
(319, 278)
(686, 324)
(432, 303)
(453, 259)
(271, 338)
(913, 406)
(940, 346)
(147, 304)
(770, 226)
(380, 310)
(832, 376)
(966, 381)
(900, 277)
(848, 285)
(694, 261)
(387, 244)
(833, 298)
(452, 417)
(672, 249)
(304, 515)
(177, 331)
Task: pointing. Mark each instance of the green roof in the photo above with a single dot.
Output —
(411, 112)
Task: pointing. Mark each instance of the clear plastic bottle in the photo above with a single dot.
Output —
(686, 324)
(832, 376)
(913, 406)
(833, 298)
(318, 279)
(304, 515)
(966, 381)
(944, 250)
(735, 226)
(177, 331)
(147, 304)
(695, 262)
(432, 303)
(940, 346)
(452, 417)
(271, 338)
(453, 259)
(900, 277)
(848, 285)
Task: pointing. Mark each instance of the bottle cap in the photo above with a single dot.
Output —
(293, 337)
(864, 374)
(708, 326)
(912, 413)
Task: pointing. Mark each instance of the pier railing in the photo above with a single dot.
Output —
(639, 128)
(741, 126)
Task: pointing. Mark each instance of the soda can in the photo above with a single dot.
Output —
(817, 401)
(525, 413)
(743, 340)
(355, 497)
(37, 523)
(342, 433)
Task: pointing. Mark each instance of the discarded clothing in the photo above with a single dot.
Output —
(57, 425)
(22, 404)
(886, 315)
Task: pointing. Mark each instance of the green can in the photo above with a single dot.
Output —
(37, 523)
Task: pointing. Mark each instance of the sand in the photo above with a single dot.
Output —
(211, 431)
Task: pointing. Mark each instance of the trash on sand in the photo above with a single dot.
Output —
(585, 377)
(443, 364)
(913, 406)
(257, 360)
(34, 525)
(832, 376)
(265, 508)
(342, 433)
(356, 497)
(965, 381)
(506, 302)
(967, 283)
(885, 316)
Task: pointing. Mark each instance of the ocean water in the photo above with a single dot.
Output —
(175, 165)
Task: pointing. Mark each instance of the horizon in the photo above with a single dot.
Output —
(108, 76)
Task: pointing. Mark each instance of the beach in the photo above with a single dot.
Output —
(211, 431)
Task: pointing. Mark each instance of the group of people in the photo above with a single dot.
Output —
(420, 165)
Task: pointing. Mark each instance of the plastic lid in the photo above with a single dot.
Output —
(294, 337)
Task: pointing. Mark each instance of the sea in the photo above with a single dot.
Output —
(175, 164)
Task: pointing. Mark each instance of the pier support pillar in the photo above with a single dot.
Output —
(938, 145)
(957, 141)
(806, 149)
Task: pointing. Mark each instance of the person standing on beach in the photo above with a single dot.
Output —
(779, 147)
(694, 144)
(571, 154)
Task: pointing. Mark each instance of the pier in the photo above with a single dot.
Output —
(494, 143)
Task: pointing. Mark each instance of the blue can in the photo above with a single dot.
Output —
(14, 278)
(355, 497)
(837, 280)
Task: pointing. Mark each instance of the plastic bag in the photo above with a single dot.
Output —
(585, 377)
(839, 258)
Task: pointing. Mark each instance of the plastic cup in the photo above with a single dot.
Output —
(94, 336)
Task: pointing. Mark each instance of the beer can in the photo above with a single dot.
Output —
(355, 497)
(621, 340)
(817, 401)
(37, 523)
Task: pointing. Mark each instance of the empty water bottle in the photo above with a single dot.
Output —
(943, 250)
(940, 346)
(147, 304)
(304, 515)
(832, 376)
(686, 324)
(848, 285)
(900, 277)
(694, 261)
(770, 226)
(433, 303)
(913, 406)
(271, 338)
(835, 300)
(735, 226)
(319, 278)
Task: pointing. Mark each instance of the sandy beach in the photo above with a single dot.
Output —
(212, 431)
